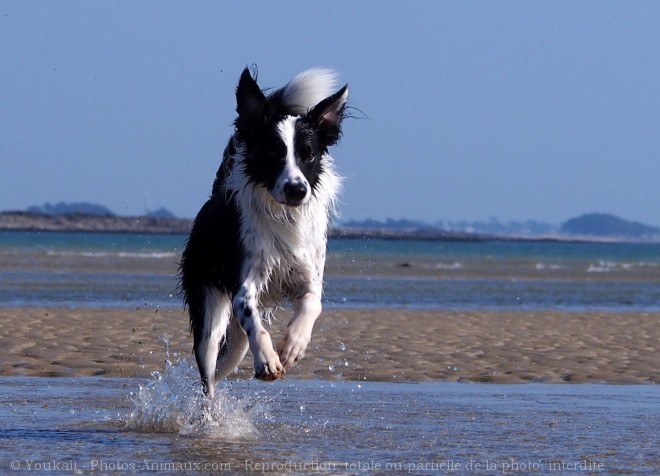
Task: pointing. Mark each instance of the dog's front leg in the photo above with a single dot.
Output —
(267, 365)
(299, 330)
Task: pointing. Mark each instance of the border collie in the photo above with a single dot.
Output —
(260, 240)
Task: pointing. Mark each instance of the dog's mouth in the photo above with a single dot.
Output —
(293, 203)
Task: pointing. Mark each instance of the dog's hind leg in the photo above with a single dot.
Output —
(233, 351)
(208, 337)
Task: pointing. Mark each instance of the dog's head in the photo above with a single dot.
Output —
(287, 133)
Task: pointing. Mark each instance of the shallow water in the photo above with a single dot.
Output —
(163, 424)
(126, 270)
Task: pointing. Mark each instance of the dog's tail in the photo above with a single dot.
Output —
(306, 90)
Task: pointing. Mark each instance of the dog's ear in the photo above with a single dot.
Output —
(327, 116)
(250, 101)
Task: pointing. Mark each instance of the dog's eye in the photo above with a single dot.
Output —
(307, 154)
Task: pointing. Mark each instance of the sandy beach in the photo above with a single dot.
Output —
(382, 345)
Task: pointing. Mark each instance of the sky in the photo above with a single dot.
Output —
(466, 110)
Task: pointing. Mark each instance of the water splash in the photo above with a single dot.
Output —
(173, 402)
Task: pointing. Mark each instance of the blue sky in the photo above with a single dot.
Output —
(514, 110)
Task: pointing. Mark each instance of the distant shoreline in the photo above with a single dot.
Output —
(35, 222)
(24, 221)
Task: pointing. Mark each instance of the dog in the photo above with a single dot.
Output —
(260, 240)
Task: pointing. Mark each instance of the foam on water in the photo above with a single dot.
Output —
(173, 402)
(449, 266)
(547, 266)
(118, 254)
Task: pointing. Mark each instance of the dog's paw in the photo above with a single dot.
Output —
(292, 348)
(267, 366)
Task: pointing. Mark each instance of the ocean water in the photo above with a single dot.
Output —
(131, 270)
(165, 425)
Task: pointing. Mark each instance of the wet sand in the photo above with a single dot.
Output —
(374, 345)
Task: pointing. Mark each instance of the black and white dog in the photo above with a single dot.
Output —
(260, 240)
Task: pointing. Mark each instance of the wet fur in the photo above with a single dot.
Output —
(260, 239)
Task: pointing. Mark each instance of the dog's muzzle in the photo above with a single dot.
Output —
(295, 192)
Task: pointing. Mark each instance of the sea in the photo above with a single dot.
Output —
(56, 269)
(165, 425)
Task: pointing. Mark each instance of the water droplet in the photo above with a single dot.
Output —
(331, 368)
(302, 408)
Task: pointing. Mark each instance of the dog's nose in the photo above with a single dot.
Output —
(295, 192)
